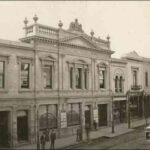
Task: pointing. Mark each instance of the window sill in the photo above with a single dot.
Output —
(3, 90)
(25, 90)
(103, 89)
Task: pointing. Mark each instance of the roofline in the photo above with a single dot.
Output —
(16, 44)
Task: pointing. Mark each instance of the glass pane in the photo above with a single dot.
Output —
(73, 114)
(78, 78)
(24, 75)
(47, 75)
(71, 77)
(101, 78)
(1, 74)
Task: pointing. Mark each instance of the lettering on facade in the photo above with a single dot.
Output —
(95, 115)
(63, 119)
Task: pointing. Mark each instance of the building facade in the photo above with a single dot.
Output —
(62, 79)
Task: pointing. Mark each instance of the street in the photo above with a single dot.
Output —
(132, 140)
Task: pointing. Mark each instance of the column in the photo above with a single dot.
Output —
(14, 127)
(32, 124)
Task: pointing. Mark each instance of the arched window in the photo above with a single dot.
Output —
(116, 84)
(121, 84)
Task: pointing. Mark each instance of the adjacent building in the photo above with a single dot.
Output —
(62, 79)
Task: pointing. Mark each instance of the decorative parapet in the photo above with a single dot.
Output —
(41, 30)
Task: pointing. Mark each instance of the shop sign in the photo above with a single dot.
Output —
(95, 115)
(63, 120)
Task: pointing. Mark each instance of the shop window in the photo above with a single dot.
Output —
(47, 75)
(22, 125)
(48, 117)
(2, 74)
(73, 114)
(25, 75)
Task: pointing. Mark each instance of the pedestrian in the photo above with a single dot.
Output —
(87, 130)
(95, 125)
(52, 139)
(78, 134)
(43, 141)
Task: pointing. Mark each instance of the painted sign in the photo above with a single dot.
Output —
(95, 115)
(63, 120)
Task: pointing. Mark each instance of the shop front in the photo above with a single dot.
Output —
(102, 114)
(4, 129)
(120, 111)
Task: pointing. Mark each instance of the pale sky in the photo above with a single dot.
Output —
(127, 22)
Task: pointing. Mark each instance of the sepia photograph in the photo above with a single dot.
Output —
(74, 75)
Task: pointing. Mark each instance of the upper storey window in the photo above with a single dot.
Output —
(102, 76)
(146, 79)
(78, 75)
(47, 76)
(2, 74)
(25, 72)
(48, 72)
(134, 77)
(25, 67)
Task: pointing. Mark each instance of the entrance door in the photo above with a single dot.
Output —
(22, 125)
(4, 129)
(88, 115)
(102, 113)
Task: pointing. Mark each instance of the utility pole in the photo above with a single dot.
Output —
(128, 102)
(113, 131)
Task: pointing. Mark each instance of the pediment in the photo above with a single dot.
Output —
(80, 41)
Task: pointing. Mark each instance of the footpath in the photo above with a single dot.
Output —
(63, 143)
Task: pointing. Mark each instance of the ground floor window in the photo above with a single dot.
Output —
(4, 132)
(48, 116)
(102, 114)
(73, 114)
(120, 111)
(22, 125)
(136, 106)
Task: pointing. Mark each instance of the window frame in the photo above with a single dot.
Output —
(5, 59)
(28, 60)
(51, 62)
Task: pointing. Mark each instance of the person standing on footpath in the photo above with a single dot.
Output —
(87, 130)
(52, 139)
(43, 141)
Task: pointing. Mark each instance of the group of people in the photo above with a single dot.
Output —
(87, 131)
(47, 136)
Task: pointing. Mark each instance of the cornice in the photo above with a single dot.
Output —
(18, 45)
(49, 40)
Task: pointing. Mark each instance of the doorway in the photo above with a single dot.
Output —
(4, 133)
(22, 125)
(102, 113)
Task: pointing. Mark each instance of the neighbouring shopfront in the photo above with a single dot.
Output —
(120, 111)
(4, 129)
(22, 125)
(102, 114)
